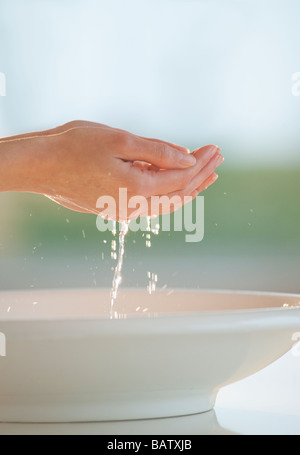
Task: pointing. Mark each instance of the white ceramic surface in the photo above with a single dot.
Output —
(163, 355)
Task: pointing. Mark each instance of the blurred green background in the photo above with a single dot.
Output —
(251, 241)
(190, 72)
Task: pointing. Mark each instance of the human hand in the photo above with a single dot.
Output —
(80, 161)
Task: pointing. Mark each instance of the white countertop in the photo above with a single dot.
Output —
(267, 403)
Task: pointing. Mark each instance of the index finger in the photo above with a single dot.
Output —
(164, 181)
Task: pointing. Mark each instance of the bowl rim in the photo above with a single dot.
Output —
(163, 316)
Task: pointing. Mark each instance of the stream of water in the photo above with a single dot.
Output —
(117, 278)
(124, 227)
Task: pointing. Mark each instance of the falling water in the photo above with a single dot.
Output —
(152, 277)
(124, 226)
(117, 279)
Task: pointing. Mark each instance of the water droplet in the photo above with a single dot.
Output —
(170, 292)
(152, 277)
(117, 279)
(155, 229)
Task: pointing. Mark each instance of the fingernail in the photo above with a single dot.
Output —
(219, 160)
(215, 148)
(188, 160)
(213, 178)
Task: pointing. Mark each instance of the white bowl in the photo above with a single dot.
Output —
(163, 355)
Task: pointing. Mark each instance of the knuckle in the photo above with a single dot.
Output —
(123, 141)
(73, 124)
(184, 179)
(137, 187)
(162, 152)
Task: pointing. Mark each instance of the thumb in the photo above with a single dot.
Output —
(159, 154)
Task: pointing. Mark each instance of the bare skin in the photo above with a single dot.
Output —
(78, 162)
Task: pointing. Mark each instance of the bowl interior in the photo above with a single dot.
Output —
(87, 303)
(168, 356)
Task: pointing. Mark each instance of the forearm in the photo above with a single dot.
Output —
(24, 164)
(32, 134)
(52, 131)
(76, 163)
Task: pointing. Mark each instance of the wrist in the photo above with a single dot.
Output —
(25, 164)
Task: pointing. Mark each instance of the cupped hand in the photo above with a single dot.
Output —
(89, 160)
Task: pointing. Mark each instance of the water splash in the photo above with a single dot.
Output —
(152, 277)
(124, 227)
(117, 279)
(113, 252)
